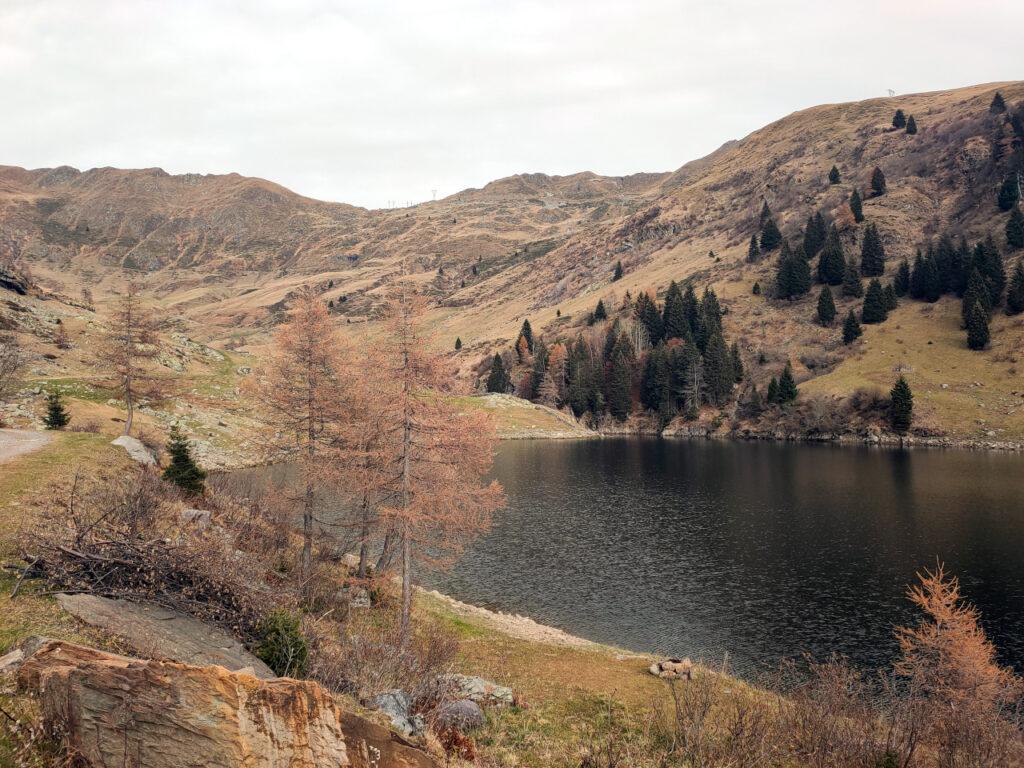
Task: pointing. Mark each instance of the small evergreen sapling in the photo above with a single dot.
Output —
(852, 286)
(618, 272)
(977, 327)
(891, 300)
(1015, 229)
(458, 343)
(834, 176)
(753, 251)
(856, 206)
(878, 186)
(998, 105)
(872, 255)
(901, 406)
(911, 125)
(1015, 296)
(901, 283)
(826, 307)
(56, 416)
(899, 120)
(1009, 192)
(183, 470)
(874, 310)
(787, 385)
(770, 235)
(851, 328)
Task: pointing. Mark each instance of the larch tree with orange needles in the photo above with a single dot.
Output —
(969, 700)
(304, 393)
(440, 455)
(130, 347)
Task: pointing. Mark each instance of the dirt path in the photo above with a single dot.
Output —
(14, 442)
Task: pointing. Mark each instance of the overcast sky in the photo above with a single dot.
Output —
(373, 101)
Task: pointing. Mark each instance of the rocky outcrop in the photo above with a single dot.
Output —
(115, 710)
(157, 632)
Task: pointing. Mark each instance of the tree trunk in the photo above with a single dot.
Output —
(406, 588)
(129, 400)
(384, 561)
(364, 541)
(307, 533)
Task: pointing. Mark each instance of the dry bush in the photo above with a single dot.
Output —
(828, 721)
(91, 426)
(712, 723)
(366, 657)
(868, 402)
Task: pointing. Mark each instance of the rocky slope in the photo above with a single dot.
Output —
(223, 252)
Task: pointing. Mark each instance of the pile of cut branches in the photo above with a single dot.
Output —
(125, 542)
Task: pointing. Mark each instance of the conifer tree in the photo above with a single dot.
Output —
(814, 235)
(1009, 192)
(977, 292)
(1015, 229)
(619, 382)
(826, 306)
(647, 313)
(737, 363)
(770, 235)
(183, 470)
(673, 315)
(901, 283)
(719, 375)
(787, 385)
(654, 382)
(874, 310)
(526, 332)
(458, 343)
(498, 380)
(772, 396)
(852, 286)
(998, 105)
(756, 290)
(600, 313)
(899, 120)
(856, 206)
(891, 300)
(793, 278)
(878, 182)
(911, 125)
(753, 251)
(989, 261)
(691, 308)
(901, 406)
(540, 367)
(766, 213)
(833, 176)
(56, 416)
(977, 327)
(1015, 296)
(872, 254)
(617, 275)
(851, 328)
(832, 262)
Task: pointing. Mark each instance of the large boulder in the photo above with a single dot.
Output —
(136, 450)
(168, 715)
(477, 689)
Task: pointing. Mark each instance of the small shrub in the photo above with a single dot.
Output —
(282, 646)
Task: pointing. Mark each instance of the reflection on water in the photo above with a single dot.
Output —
(757, 550)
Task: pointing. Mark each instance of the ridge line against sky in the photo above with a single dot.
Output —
(374, 103)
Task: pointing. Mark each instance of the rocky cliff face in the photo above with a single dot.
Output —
(113, 710)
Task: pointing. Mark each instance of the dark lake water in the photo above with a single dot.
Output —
(755, 550)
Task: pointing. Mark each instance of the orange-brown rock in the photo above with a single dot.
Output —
(115, 710)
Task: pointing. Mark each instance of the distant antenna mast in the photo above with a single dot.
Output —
(891, 92)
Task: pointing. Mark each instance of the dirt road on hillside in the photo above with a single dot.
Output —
(14, 442)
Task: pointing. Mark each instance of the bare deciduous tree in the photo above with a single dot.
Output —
(12, 360)
(303, 391)
(130, 347)
(440, 455)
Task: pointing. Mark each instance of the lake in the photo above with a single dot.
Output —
(757, 551)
